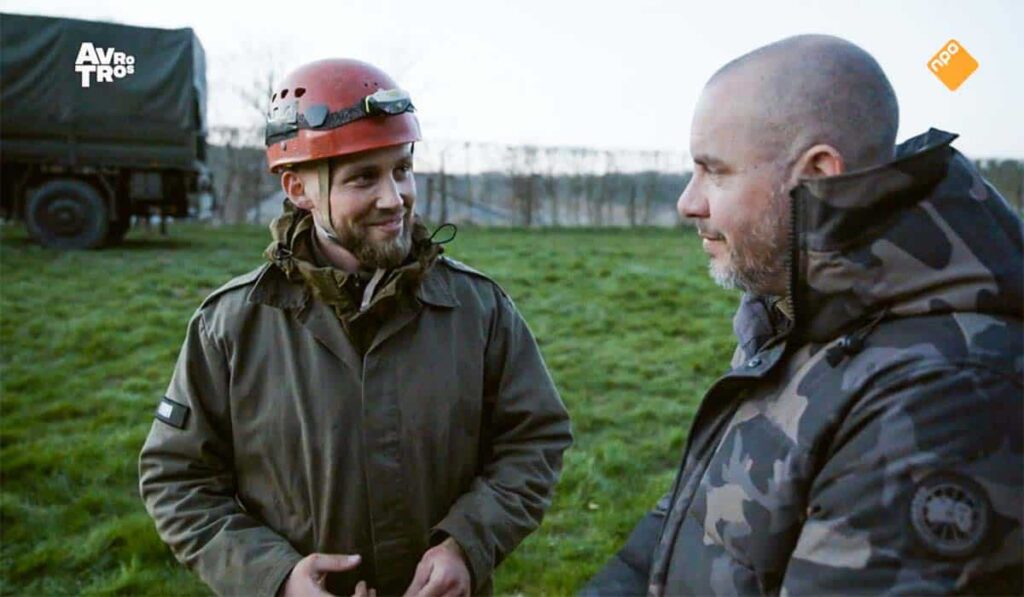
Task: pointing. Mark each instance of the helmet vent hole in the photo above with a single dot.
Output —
(284, 93)
(299, 91)
(273, 97)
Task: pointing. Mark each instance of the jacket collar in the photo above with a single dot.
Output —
(300, 274)
(273, 288)
(921, 234)
(436, 288)
(758, 320)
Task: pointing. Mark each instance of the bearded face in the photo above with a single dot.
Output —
(738, 196)
(380, 239)
(756, 254)
(369, 209)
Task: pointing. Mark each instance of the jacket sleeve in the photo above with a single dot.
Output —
(629, 570)
(188, 485)
(920, 492)
(528, 432)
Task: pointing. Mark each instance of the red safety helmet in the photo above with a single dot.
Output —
(336, 107)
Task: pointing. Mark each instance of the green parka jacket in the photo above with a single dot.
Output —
(278, 437)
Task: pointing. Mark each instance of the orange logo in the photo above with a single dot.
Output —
(952, 64)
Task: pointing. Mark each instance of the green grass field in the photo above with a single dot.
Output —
(630, 325)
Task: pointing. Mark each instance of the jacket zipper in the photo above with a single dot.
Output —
(794, 256)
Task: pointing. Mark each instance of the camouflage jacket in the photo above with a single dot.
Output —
(873, 442)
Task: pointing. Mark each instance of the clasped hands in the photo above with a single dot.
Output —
(442, 572)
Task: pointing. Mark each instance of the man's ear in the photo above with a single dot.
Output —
(820, 161)
(295, 188)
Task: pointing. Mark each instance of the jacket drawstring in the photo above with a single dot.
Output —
(371, 287)
(853, 342)
(455, 230)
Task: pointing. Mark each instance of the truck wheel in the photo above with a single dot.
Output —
(67, 214)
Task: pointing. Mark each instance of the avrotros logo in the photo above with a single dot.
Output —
(105, 63)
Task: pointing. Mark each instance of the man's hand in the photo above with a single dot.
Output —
(442, 572)
(307, 577)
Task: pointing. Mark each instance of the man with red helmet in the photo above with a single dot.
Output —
(360, 413)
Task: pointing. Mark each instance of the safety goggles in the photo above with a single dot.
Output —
(285, 122)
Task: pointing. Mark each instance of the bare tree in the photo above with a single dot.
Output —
(234, 172)
(520, 163)
(258, 80)
(551, 155)
(531, 178)
(443, 178)
(631, 209)
(649, 186)
(469, 185)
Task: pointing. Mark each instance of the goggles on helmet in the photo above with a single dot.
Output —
(285, 122)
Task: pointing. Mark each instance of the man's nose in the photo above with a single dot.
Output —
(691, 203)
(390, 197)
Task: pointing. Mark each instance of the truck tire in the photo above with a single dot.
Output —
(67, 214)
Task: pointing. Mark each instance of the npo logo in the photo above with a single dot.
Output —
(952, 64)
(106, 63)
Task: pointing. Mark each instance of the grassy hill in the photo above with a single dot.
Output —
(628, 320)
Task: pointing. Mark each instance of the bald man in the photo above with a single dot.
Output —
(868, 436)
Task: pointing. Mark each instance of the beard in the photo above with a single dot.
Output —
(377, 254)
(759, 259)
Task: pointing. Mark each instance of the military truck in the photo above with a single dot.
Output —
(99, 122)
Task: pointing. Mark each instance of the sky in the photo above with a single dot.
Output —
(607, 75)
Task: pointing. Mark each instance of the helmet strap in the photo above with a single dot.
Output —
(323, 170)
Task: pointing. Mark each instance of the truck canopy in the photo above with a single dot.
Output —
(153, 117)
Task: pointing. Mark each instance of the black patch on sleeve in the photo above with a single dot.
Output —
(173, 413)
(951, 515)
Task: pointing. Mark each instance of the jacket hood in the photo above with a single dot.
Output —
(922, 234)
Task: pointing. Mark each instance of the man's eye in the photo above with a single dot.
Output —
(405, 168)
(713, 170)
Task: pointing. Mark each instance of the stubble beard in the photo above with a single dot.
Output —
(758, 261)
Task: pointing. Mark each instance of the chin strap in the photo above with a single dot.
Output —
(323, 171)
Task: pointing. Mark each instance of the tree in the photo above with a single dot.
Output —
(520, 164)
(551, 183)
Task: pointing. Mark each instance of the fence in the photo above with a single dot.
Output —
(485, 184)
(512, 185)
